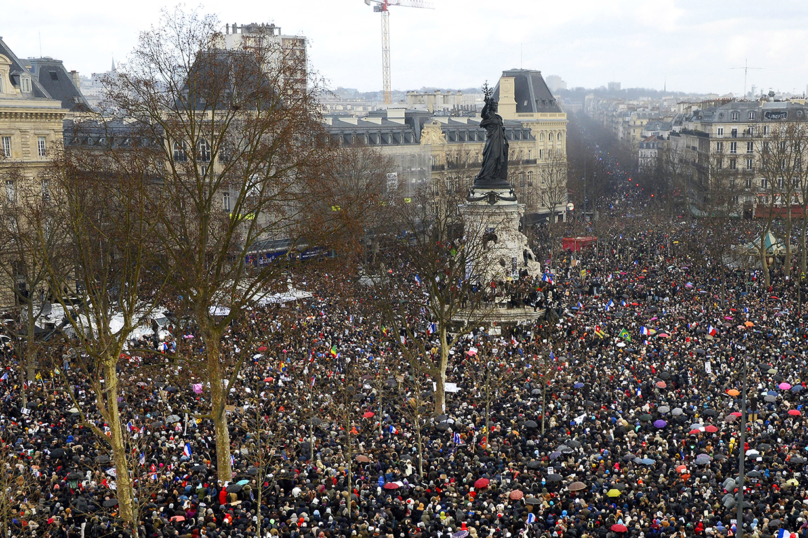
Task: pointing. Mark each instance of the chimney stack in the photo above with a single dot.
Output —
(76, 80)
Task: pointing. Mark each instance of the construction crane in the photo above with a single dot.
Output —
(381, 6)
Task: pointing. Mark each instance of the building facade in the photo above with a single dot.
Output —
(428, 147)
(35, 98)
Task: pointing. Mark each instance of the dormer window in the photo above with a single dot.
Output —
(25, 83)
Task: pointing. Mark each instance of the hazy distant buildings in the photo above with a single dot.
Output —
(555, 83)
(613, 86)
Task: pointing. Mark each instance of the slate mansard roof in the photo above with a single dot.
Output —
(530, 92)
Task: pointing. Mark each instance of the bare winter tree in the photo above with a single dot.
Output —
(28, 213)
(103, 206)
(437, 292)
(553, 190)
(244, 165)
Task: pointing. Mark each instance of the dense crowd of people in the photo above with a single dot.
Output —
(616, 412)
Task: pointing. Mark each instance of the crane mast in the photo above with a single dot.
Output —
(381, 6)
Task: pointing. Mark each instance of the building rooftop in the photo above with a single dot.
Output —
(530, 92)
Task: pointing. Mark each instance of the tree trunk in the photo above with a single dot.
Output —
(218, 400)
(440, 378)
(124, 494)
(803, 256)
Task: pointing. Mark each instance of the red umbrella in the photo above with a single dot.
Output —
(515, 495)
(619, 528)
(391, 485)
(794, 413)
(262, 348)
(695, 432)
(711, 429)
(368, 414)
(481, 483)
(661, 384)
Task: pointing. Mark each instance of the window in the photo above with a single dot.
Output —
(733, 147)
(719, 147)
(559, 137)
(765, 129)
(11, 191)
(751, 115)
(765, 147)
(6, 146)
(46, 190)
(179, 152)
(226, 201)
(750, 147)
(25, 84)
(720, 131)
(530, 179)
(748, 183)
(783, 164)
(780, 183)
(732, 164)
(40, 146)
(541, 154)
(764, 183)
(734, 133)
(204, 151)
(541, 137)
(734, 115)
(719, 163)
(749, 164)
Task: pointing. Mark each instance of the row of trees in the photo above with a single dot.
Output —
(769, 183)
(200, 156)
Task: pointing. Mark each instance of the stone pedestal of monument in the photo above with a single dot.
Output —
(506, 253)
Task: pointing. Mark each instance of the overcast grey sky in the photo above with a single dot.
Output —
(461, 43)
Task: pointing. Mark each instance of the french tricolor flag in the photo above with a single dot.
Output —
(187, 450)
(782, 533)
(711, 331)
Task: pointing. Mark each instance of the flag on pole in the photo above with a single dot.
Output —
(417, 280)
(599, 332)
(531, 518)
(430, 329)
(711, 331)
(624, 334)
(644, 331)
(187, 450)
(333, 350)
(142, 458)
(5, 377)
(609, 305)
(312, 380)
(782, 533)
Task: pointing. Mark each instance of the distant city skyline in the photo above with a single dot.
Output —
(691, 45)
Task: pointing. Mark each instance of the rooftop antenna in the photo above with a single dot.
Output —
(745, 68)
(40, 44)
(521, 55)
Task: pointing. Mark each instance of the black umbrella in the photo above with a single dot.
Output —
(532, 501)
(531, 424)
(554, 478)
(109, 503)
(102, 459)
(233, 488)
(57, 452)
(533, 464)
(75, 475)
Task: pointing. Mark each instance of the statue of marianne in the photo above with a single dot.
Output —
(494, 171)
